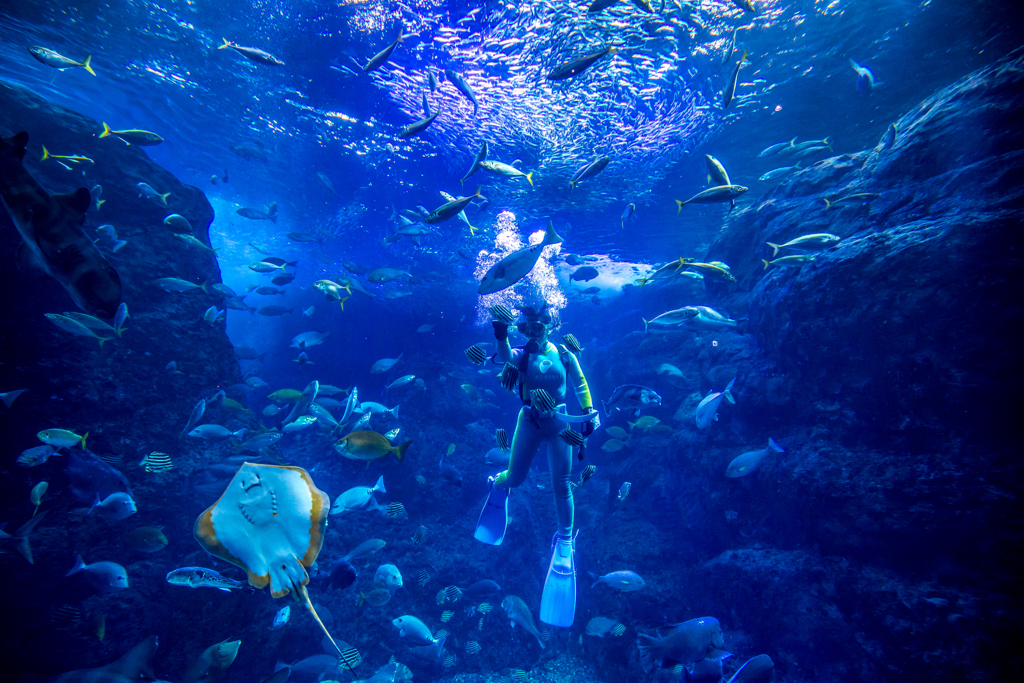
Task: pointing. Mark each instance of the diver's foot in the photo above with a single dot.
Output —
(558, 602)
(490, 528)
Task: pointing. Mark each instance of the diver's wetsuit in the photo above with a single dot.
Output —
(549, 371)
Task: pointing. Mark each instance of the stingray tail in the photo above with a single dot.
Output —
(301, 590)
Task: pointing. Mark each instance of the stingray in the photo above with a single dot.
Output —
(270, 522)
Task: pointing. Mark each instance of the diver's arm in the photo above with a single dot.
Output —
(579, 381)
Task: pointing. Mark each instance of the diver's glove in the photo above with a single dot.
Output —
(590, 426)
(500, 330)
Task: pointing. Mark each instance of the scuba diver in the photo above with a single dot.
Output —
(542, 372)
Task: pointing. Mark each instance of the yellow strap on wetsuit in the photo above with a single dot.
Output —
(568, 359)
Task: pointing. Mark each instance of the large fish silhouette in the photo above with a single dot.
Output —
(51, 227)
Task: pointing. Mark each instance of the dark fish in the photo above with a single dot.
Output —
(54, 241)
(342, 575)
(509, 377)
(755, 670)
(482, 590)
(570, 340)
(450, 472)
(730, 90)
(378, 59)
(599, 5)
(587, 473)
(414, 129)
(273, 310)
(584, 274)
(91, 477)
(501, 436)
(463, 87)
(631, 397)
(476, 355)
(589, 171)
(575, 67)
(283, 278)
(252, 54)
(256, 215)
(592, 290)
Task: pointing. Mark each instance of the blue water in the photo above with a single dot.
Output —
(654, 109)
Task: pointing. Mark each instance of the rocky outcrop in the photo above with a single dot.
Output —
(120, 393)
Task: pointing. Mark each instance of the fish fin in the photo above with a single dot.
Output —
(680, 205)
(86, 64)
(550, 236)
(134, 664)
(163, 198)
(342, 302)
(400, 451)
(612, 50)
(529, 178)
(644, 319)
(106, 130)
(827, 203)
(728, 392)
(766, 264)
(775, 249)
(379, 486)
(227, 43)
(203, 286)
(774, 446)
(79, 565)
(362, 599)
(46, 154)
(22, 535)
(477, 193)
(83, 441)
(718, 655)
(77, 201)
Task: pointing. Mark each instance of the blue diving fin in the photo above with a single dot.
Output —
(490, 528)
(558, 602)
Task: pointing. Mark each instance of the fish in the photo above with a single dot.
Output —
(775, 149)
(463, 87)
(116, 506)
(617, 432)
(214, 432)
(252, 54)
(388, 576)
(747, 463)
(714, 195)
(778, 172)
(759, 669)
(518, 613)
(707, 410)
(200, 577)
(598, 5)
(378, 597)
(132, 666)
(746, 5)
(627, 212)
(146, 191)
(417, 127)
(282, 617)
(62, 438)
(75, 326)
(887, 141)
(731, 49)
(730, 89)
(625, 581)
(451, 208)
(259, 215)
(423, 577)
(146, 539)
(400, 382)
(449, 593)
(142, 138)
(354, 499)
(368, 445)
(20, 538)
(308, 313)
(574, 67)
(631, 397)
(624, 491)
(342, 574)
(315, 667)
(103, 576)
(174, 284)
(68, 158)
(472, 647)
(513, 267)
(821, 240)
(589, 171)
(298, 424)
(33, 457)
(602, 626)
(481, 155)
(501, 437)
(415, 631)
(381, 57)
(273, 310)
(645, 423)
(53, 240)
(584, 274)
(716, 172)
(367, 548)
(449, 472)
(308, 339)
(687, 643)
(9, 397)
(385, 275)
(156, 462)
(58, 61)
(865, 78)
(385, 364)
(860, 196)
(794, 260)
(505, 170)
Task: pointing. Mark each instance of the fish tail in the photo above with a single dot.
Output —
(400, 451)
(348, 288)
(472, 230)
(46, 154)
(273, 217)
(612, 50)
(728, 391)
(680, 204)
(828, 142)
(163, 198)
(79, 565)
(477, 193)
(362, 599)
(774, 247)
(572, 185)
(83, 440)
(529, 178)
(744, 57)
(23, 533)
(827, 203)
(227, 43)
(774, 446)
(102, 340)
(766, 264)
(106, 130)
(550, 236)
(645, 328)
(86, 64)
(203, 286)
(342, 302)
(379, 486)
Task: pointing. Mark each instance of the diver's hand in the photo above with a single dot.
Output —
(589, 427)
(500, 330)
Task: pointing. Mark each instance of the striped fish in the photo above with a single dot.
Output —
(450, 661)
(441, 633)
(542, 400)
(447, 593)
(472, 647)
(351, 658)
(518, 676)
(480, 624)
(394, 511)
(476, 355)
(572, 343)
(446, 616)
(572, 437)
(110, 459)
(618, 630)
(65, 616)
(156, 462)
(420, 535)
(423, 577)
(509, 377)
(484, 607)
(502, 314)
(501, 436)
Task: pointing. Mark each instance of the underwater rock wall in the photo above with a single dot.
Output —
(121, 394)
(889, 368)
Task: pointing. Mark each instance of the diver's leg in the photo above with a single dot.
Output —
(558, 602)
(490, 527)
